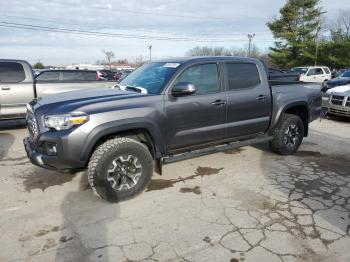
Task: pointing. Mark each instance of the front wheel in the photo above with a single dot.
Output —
(120, 169)
(288, 135)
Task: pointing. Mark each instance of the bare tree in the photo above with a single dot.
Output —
(344, 22)
(109, 56)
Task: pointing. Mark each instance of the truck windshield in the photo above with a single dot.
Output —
(151, 76)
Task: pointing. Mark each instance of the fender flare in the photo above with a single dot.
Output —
(287, 106)
(118, 126)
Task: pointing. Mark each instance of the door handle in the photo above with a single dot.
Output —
(218, 102)
(5, 88)
(261, 98)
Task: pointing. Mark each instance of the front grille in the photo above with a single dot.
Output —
(337, 100)
(32, 125)
(339, 112)
(348, 102)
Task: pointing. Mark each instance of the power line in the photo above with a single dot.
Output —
(120, 10)
(117, 35)
(107, 26)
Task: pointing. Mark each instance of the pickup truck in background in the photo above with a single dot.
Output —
(283, 76)
(18, 85)
(166, 111)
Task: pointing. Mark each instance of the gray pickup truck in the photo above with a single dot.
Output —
(163, 112)
(18, 86)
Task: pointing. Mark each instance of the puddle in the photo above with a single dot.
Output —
(233, 151)
(195, 190)
(159, 184)
(339, 164)
(39, 178)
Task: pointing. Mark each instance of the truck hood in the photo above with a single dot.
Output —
(68, 101)
(340, 90)
(86, 95)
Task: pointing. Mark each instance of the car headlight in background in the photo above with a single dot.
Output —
(65, 121)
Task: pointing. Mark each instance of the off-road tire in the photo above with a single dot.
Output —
(277, 143)
(101, 160)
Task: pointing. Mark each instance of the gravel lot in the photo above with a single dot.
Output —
(240, 205)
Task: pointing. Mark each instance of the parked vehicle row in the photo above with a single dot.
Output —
(18, 85)
(167, 111)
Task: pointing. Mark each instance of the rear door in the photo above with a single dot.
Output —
(16, 88)
(198, 118)
(248, 99)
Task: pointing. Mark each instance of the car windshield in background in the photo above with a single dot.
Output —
(345, 74)
(301, 70)
(152, 76)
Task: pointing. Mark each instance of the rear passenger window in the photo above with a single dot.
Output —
(48, 76)
(315, 71)
(326, 70)
(72, 76)
(204, 77)
(242, 75)
(11, 72)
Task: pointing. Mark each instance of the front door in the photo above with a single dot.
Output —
(16, 89)
(197, 118)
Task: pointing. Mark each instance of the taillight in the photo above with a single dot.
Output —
(97, 78)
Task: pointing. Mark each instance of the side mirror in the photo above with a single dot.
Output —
(183, 89)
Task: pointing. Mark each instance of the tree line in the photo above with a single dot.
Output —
(303, 36)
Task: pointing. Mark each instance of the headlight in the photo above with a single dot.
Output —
(65, 121)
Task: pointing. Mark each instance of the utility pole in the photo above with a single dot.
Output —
(318, 29)
(150, 52)
(317, 42)
(250, 38)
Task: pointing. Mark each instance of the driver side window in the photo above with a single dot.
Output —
(204, 77)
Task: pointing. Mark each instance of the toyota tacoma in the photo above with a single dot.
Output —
(166, 111)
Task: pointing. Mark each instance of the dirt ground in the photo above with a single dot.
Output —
(246, 204)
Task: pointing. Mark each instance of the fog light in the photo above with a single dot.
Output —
(51, 149)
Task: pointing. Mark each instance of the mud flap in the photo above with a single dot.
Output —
(158, 166)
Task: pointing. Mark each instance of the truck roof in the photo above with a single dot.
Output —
(13, 60)
(193, 59)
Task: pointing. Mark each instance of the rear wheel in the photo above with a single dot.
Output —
(288, 135)
(120, 169)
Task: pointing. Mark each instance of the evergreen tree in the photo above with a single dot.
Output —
(38, 65)
(295, 32)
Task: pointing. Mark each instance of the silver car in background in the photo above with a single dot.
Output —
(337, 101)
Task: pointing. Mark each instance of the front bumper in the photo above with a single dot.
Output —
(68, 150)
(34, 156)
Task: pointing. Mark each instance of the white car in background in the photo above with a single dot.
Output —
(336, 101)
(315, 74)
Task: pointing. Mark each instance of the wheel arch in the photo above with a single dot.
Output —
(300, 109)
(145, 131)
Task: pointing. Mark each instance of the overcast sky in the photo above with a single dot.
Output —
(228, 21)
